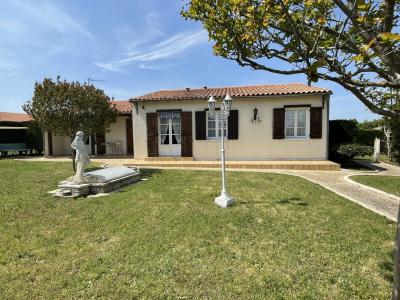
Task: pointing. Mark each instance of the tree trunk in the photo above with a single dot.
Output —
(386, 130)
(396, 276)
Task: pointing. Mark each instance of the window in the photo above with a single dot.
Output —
(170, 128)
(296, 125)
(214, 125)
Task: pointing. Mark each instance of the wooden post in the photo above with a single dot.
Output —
(396, 276)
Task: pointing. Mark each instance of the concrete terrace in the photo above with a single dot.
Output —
(267, 165)
(171, 162)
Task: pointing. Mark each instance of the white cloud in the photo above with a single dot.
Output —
(8, 65)
(22, 17)
(34, 30)
(146, 29)
(167, 48)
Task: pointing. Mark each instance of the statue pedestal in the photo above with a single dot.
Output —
(99, 182)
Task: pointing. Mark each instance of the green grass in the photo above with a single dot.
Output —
(285, 238)
(389, 184)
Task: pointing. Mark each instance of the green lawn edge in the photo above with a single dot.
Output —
(388, 184)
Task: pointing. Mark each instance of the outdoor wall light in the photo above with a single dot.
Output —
(255, 113)
(255, 118)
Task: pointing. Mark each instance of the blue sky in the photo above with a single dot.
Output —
(131, 48)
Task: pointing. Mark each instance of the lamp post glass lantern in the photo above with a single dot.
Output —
(224, 200)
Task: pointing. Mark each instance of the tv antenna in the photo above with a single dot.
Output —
(90, 80)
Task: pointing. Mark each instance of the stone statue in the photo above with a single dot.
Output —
(81, 158)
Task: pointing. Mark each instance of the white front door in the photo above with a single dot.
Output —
(169, 141)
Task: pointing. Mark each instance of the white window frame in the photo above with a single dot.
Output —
(217, 128)
(307, 128)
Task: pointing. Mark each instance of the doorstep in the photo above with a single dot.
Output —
(168, 158)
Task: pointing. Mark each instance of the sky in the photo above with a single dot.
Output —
(125, 47)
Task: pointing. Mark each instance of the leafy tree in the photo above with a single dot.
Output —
(392, 132)
(353, 43)
(64, 108)
(371, 124)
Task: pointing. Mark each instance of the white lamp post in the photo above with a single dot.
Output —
(224, 200)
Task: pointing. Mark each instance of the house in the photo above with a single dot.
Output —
(267, 122)
(18, 135)
(116, 141)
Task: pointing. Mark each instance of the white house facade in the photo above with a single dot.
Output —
(267, 122)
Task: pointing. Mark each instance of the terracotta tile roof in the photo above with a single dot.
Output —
(14, 117)
(123, 106)
(234, 91)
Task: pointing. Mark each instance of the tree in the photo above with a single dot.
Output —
(353, 43)
(372, 124)
(392, 132)
(64, 108)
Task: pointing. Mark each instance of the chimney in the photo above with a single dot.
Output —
(187, 89)
(205, 87)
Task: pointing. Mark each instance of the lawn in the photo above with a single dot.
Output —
(389, 184)
(285, 238)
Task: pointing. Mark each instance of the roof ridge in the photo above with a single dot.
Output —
(237, 91)
(11, 112)
(235, 86)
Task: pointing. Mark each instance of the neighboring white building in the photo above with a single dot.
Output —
(116, 141)
(267, 122)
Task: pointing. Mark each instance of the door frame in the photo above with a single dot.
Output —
(175, 150)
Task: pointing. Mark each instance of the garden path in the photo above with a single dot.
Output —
(338, 182)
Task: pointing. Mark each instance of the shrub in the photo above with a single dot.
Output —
(341, 131)
(350, 132)
(349, 151)
(367, 136)
(394, 145)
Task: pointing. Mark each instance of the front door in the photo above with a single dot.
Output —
(101, 144)
(129, 136)
(169, 140)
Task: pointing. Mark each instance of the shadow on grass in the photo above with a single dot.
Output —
(93, 169)
(367, 164)
(354, 165)
(387, 268)
(292, 200)
(146, 173)
(250, 203)
(286, 201)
